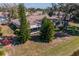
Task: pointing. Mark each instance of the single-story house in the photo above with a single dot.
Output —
(3, 17)
(15, 22)
(3, 20)
(33, 27)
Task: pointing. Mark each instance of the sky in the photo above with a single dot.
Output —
(37, 5)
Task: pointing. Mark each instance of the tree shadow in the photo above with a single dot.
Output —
(17, 41)
(37, 38)
(76, 53)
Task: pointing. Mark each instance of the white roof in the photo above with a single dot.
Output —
(16, 22)
(35, 26)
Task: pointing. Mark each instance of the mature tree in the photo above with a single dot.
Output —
(24, 27)
(52, 9)
(72, 9)
(54, 6)
(11, 8)
(47, 30)
(50, 13)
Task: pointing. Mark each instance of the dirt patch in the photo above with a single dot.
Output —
(6, 30)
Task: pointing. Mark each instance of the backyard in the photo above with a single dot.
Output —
(39, 32)
(59, 46)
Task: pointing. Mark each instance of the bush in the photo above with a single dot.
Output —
(16, 41)
(12, 26)
(6, 42)
(47, 30)
(17, 32)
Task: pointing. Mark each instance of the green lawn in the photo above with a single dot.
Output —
(66, 47)
(62, 46)
(2, 53)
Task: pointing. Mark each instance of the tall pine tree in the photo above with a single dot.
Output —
(47, 30)
(24, 27)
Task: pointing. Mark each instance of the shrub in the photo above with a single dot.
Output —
(17, 32)
(6, 42)
(47, 30)
(12, 26)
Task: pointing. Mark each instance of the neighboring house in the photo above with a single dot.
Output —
(4, 14)
(1, 14)
(32, 27)
(35, 20)
(27, 13)
(37, 13)
(3, 17)
(3, 20)
(35, 28)
(15, 22)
